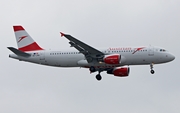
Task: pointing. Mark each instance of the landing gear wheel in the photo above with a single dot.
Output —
(151, 66)
(92, 69)
(98, 77)
(152, 72)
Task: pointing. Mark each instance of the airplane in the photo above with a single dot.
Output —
(114, 61)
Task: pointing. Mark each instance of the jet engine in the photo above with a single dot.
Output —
(114, 59)
(119, 71)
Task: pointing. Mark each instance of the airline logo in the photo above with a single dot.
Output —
(137, 49)
(127, 49)
(21, 38)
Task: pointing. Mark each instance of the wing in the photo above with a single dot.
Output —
(91, 54)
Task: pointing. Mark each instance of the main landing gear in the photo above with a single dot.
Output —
(98, 77)
(151, 66)
(93, 69)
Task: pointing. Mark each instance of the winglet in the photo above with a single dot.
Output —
(62, 34)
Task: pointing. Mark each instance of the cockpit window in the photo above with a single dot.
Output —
(162, 50)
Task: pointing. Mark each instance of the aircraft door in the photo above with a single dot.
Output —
(151, 51)
(42, 55)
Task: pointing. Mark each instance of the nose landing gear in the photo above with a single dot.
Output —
(151, 66)
(152, 71)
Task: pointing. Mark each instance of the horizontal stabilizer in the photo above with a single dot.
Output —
(18, 52)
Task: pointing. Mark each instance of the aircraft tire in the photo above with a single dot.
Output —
(98, 77)
(152, 71)
(92, 69)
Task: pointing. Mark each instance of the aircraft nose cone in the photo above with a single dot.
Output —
(171, 57)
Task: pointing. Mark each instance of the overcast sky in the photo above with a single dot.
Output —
(32, 88)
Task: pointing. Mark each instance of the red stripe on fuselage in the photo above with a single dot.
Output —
(18, 28)
(32, 47)
(138, 49)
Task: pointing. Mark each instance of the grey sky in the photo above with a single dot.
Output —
(27, 88)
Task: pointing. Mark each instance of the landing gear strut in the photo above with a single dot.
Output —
(151, 66)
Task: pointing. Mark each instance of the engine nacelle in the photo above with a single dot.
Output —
(119, 71)
(114, 59)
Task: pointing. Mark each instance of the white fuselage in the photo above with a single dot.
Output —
(132, 56)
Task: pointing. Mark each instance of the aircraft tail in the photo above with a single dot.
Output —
(24, 40)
